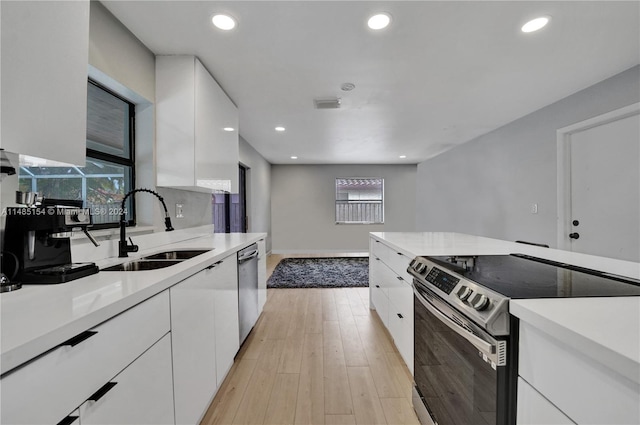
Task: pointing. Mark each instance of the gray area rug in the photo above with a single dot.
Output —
(320, 273)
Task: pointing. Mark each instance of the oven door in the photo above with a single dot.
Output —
(461, 374)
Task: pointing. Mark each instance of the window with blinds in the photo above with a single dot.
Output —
(109, 171)
(360, 200)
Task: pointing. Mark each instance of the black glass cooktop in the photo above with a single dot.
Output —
(521, 276)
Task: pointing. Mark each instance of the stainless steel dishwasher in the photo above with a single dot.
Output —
(247, 289)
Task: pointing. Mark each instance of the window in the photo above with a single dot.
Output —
(360, 200)
(109, 171)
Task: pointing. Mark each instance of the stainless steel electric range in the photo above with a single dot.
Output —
(465, 342)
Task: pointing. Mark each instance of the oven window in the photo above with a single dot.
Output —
(457, 385)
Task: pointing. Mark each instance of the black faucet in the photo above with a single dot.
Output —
(125, 247)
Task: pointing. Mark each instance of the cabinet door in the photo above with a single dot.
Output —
(227, 331)
(45, 52)
(216, 149)
(175, 111)
(194, 345)
(142, 393)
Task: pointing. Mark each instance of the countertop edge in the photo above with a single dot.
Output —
(41, 344)
(610, 358)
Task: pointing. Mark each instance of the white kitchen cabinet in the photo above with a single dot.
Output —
(584, 390)
(140, 394)
(194, 345)
(227, 325)
(391, 295)
(262, 275)
(205, 336)
(534, 409)
(195, 148)
(45, 52)
(62, 379)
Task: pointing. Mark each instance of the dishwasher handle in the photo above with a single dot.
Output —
(247, 254)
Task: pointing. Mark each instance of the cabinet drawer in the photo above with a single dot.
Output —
(399, 262)
(60, 380)
(381, 303)
(401, 330)
(142, 394)
(377, 276)
(395, 260)
(534, 409)
(585, 390)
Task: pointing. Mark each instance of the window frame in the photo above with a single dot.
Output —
(380, 201)
(126, 162)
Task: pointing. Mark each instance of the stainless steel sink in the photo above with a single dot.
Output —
(176, 255)
(156, 261)
(140, 265)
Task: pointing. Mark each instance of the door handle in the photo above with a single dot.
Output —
(574, 235)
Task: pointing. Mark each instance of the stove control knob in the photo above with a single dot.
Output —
(464, 293)
(422, 268)
(481, 302)
(413, 263)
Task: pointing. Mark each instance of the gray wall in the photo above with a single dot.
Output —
(258, 190)
(303, 207)
(487, 186)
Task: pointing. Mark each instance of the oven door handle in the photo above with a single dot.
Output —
(482, 345)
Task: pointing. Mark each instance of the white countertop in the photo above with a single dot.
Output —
(36, 318)
(606, 329)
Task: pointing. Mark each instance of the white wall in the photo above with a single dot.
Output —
(487, 186)
(303, 207)
(258, 190)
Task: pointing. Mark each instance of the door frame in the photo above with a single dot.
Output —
(563, 138)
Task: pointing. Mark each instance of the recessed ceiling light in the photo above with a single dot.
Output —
(294, 157)
(347, 87)
(223, 22)
(402, 156)
(228, 129)
(379, 21)
(279, 128)
(535, 24)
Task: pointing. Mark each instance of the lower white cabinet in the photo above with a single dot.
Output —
(205, 336)
(534, 409)
(391, 295)
(140, 394)
(62, 379)
(584, 390)
(227, 325)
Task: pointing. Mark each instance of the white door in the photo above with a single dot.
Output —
(604, 208)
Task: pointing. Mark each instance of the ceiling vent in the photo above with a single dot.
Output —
(329, 103)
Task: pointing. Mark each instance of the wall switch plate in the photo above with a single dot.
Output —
(534, 208)
(179, 213)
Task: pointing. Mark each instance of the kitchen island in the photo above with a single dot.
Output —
(59, 342)
(579, 358)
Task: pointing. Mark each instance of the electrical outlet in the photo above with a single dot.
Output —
(179, 213)
(534, 208)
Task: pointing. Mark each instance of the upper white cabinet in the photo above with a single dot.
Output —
(196, 128)
(45, 55)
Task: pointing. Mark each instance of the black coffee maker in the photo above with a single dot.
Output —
(39, 237)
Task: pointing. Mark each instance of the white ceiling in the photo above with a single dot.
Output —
(442, 74)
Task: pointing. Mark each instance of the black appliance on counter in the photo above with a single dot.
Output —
(466, 342)
(39, 237)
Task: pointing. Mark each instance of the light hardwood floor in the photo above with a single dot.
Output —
(315, 356)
